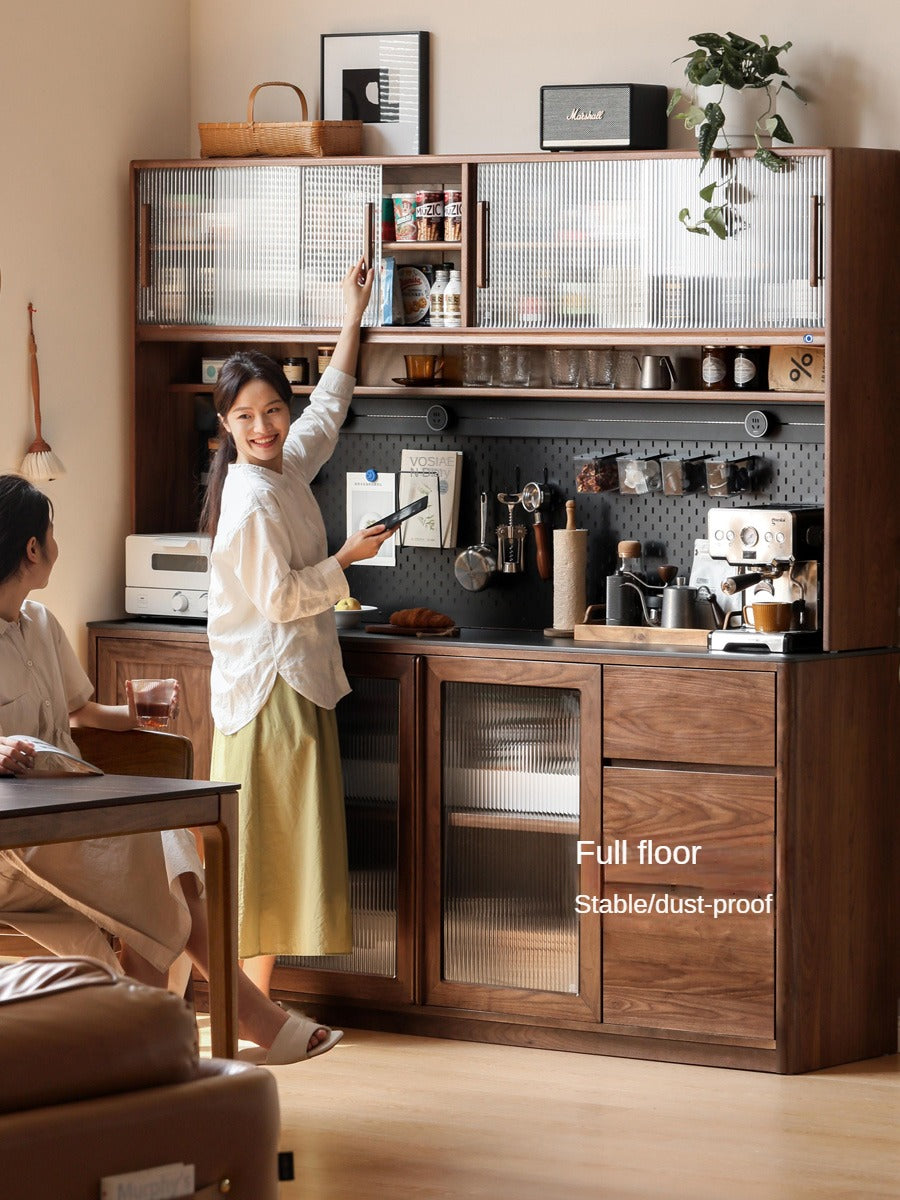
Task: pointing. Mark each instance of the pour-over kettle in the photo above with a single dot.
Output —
(657, 372)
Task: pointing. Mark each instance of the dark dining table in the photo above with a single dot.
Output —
(38, 811)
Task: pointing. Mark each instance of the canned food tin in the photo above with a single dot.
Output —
(405, 216)
(452, 216)
(429, 216)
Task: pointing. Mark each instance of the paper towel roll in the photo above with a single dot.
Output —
(569, 577)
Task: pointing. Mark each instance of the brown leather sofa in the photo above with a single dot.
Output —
(100, 1077)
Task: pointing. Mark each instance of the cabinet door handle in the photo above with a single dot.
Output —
(368, 236)
(144, 244)
(814, 211)
(482, 242)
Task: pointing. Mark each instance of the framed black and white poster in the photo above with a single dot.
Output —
(382, 80)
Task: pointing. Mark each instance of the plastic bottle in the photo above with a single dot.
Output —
(436, 298)
(451, 298)
(623, 602)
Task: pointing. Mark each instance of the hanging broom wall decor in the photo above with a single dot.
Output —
(40, 462)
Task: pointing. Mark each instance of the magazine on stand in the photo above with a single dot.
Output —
(436, 474)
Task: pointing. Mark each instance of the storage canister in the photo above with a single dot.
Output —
(429, 216)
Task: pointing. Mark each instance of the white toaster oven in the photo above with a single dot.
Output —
(167, 574)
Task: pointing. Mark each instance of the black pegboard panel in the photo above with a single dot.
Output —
(666, 525)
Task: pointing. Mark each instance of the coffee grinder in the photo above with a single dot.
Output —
(777, 553)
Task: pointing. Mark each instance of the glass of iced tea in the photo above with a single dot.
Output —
(153, 701)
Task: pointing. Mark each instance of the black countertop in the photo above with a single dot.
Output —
(504, 641)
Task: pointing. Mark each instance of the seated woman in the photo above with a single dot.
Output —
(145, 888)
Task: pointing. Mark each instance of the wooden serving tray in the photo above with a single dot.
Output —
(420, 631)
(640, 635)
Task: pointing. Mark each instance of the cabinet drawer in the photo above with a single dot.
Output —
(676, 714)
(726, 821)
(689, 972)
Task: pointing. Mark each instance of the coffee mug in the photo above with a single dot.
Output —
(422, 366)
(772, 616)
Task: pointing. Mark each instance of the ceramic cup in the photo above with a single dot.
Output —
(422, 366)
(769, 616)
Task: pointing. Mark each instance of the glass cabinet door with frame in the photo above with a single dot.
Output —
(251, 247)
(512, 782)
(376, 726)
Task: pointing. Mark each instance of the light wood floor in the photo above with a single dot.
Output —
(396, 1118)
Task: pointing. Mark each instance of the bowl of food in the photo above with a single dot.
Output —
(348, 613)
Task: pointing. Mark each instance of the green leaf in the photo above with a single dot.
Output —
(733, 76)
(676, 97)
(706, 140)
(779, 130)
(710, 77)
(718, 226)
(708, 192)
(684, 215)
(769, 159)
(693, 117)
(714, 115)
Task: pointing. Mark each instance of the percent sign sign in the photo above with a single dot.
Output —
(801, 367)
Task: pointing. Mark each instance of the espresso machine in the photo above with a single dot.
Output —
(776, 553)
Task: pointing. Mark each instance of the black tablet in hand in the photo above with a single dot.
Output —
(402, 514)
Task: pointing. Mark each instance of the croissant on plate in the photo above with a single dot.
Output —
(421, 618)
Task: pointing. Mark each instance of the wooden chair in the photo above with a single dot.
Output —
(116, 752)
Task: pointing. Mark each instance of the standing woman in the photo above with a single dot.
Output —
(277, 672)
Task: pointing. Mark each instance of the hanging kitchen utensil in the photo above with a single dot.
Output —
(40, 463)
(510, 537)
(537, 499)
(475, 565)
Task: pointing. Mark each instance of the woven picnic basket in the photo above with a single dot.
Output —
(245, 139)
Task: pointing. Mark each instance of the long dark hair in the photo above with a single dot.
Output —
(241, 368)
(25, 513)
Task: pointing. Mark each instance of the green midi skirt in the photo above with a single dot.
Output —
(293, 889)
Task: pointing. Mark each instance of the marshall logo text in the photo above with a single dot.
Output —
(589, 114)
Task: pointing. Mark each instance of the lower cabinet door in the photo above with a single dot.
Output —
(376, 726)
(155, 657)
(689, 901)
(512, 774)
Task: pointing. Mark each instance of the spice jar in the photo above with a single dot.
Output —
(323, 362)
(296, 370)
(714, 368)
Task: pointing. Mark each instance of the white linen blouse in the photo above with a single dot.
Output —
(273, 585)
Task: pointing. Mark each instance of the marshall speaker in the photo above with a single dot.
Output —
(604, 116)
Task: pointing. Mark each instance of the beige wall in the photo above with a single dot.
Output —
(490, 58)
(84, 88)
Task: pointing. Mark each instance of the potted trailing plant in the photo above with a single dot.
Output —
(730, 62)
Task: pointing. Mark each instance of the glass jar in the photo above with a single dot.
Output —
(714, 372)
(296, 370)
(746, 367)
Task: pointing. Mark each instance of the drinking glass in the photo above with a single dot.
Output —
(477, 366)
(599, 368)
(515, 366)
(153, 701)
(564, 366)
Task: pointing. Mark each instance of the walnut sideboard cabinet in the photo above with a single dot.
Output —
(668, 855)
